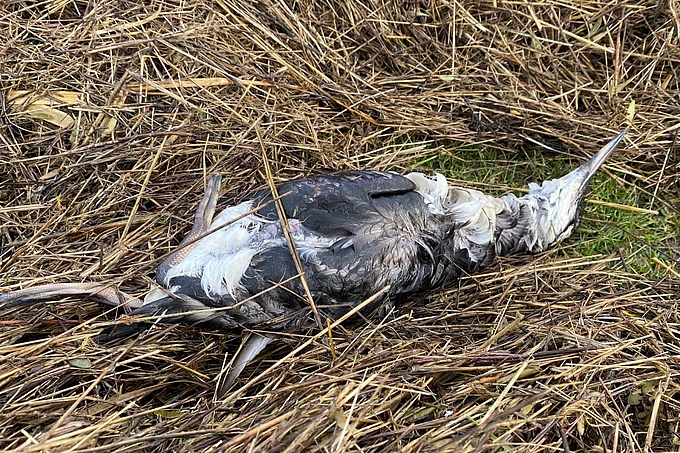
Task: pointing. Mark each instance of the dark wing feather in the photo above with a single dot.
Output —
(339, 204)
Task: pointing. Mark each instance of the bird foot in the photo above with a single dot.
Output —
(101, 293)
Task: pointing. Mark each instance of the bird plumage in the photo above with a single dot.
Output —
(356, 232)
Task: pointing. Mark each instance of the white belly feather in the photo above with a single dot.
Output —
(221, 259)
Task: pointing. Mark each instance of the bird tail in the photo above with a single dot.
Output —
(550, 211)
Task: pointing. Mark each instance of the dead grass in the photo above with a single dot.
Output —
(114, 113)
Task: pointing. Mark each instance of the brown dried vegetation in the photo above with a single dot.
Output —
(114, 112)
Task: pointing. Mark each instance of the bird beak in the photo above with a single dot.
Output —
(588, 170)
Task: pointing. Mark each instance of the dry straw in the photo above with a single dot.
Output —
(114, 113)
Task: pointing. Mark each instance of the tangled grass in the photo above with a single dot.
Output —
(115, 112)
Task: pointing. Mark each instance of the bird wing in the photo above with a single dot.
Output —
(343, 204)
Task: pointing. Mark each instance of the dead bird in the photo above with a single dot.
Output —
(352, 234)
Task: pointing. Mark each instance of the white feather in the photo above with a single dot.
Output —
(433, 190)
(222, 273)
(157, 293)
(221, 258)
(473, 212)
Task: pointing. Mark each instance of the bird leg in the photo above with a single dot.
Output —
(101, 293)
(202, 221)
(254, 344)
